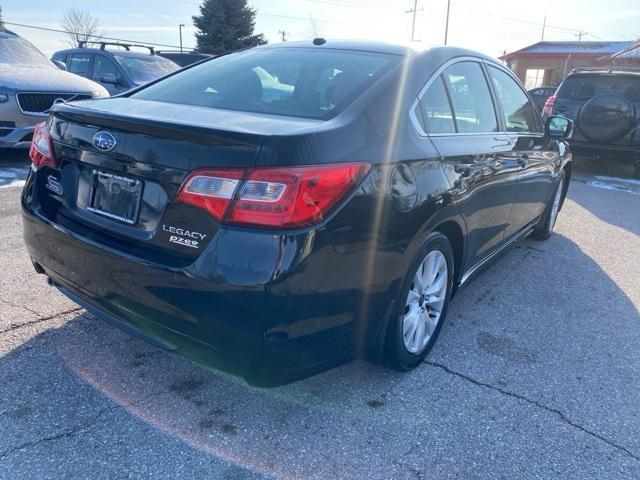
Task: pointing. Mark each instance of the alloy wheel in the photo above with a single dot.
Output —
(425, 301)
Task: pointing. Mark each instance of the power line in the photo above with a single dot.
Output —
(514, 19)
(24, 25)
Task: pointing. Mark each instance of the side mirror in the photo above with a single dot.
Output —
(558, 127)
(109, 78)
(60, 64)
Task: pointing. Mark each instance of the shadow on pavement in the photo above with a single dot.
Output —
(89, 396)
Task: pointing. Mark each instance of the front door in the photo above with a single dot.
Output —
(537, 162)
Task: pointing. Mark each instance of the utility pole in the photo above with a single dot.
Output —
(580, 34)
(180, 29)
(414, 10)
(446, 27)
(544, 24)
(283, 34)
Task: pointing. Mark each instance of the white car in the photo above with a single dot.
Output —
(29, 86)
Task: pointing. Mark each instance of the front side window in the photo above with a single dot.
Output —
(79, 64)
(302, 82)
(435, 109)
(470, 98)
(519, 113)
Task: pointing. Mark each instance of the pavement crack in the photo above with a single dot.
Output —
(67, 433)
(39, 320)
(537, 404)
(97, 419)
(24, 307)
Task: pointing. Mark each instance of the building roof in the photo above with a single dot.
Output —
(569, 48)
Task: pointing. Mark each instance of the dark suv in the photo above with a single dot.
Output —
(117, 70)
(605, 107)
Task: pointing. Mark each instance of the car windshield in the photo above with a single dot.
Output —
(303, 82)
(146, 69)
(17, 51)
(583, 87)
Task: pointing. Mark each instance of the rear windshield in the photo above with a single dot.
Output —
(583, 87)
(146, 69)
(282, 81)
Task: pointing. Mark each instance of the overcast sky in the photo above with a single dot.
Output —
(491, 26)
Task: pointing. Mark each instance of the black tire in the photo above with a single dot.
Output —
(544, 229)
(396, 354)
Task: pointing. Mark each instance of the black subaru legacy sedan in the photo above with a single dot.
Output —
(275, 212)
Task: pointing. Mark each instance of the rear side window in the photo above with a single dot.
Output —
(79, 64)
(519, 113)
(583, 87)
(435, 109)
(470, 98)
(302, 82)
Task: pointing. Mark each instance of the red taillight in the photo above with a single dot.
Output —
(286, 197)
(41, 152)
(212, 190)
(548, 105)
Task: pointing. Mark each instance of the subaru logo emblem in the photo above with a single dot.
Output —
(104, 141)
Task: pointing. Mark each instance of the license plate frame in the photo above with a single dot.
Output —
(115, 197)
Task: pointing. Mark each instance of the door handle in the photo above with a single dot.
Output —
(523, 160)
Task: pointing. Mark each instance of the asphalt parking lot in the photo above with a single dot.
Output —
(535, 375)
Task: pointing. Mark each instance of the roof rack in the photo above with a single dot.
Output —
(126, 46)
(604, 68)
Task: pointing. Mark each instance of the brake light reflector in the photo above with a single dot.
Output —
(548, 105)
(41, 151)
(211, 190)
(279, 197)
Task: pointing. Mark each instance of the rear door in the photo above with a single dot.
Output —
(536, 161)
(458, 114)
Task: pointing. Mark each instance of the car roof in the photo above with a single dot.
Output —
(382, 47)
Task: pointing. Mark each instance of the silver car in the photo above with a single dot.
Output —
(29, 86)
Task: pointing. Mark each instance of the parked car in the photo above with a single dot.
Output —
(540, 95)
(119, 69)
(184, 59)
(29, 86)
(274, 237)
(604, 103)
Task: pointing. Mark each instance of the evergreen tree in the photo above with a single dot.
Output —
(226, 25)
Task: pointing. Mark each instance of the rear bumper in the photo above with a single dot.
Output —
(269, 333)
(623, 153)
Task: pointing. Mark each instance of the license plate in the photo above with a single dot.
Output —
(115, 197)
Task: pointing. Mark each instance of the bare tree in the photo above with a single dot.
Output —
(1, 22)
(82, 26)
(314, 28)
